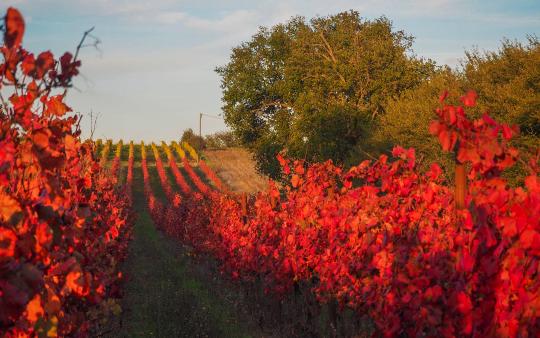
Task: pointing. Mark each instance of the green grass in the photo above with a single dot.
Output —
(162, 298)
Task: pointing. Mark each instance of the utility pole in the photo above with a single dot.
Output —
(200, 125)
(207, 115)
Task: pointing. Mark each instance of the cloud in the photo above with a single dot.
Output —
(126, 8)
(13, 2)
(228, 22)
(507, 20)
(171, 17)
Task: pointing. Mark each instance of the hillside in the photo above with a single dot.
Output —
(237, 169)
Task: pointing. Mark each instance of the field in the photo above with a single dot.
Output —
(236, 168)
(103, 238)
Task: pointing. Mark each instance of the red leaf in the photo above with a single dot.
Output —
(14, 28)
(55, 106)
(466, 263)
(34, 309)
(8, 206)
(507, 132)
(41, 138)
(434, 127)
(78, 282)
(530, 239)
(44, 234)
(7, 242)
(295, 180)
(28, 64)
(486, 118)
(464, 303)
(443, 96)
(61, 268)
(434, 171)
(532, 183)
(44, 63)
(433, 293)
(406, 298)
(469, 99)
(397, 151)
(447, 139)
(452, 116)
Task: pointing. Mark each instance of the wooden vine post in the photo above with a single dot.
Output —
(460, 182)
(273, 202)
(243, 203)
(461, 185)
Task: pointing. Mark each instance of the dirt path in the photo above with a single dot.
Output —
(162, 298)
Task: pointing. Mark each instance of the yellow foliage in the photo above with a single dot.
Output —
(105, 150)
(191, 151)
(155, 150)
(179, 150)
(166, 149)
(119, 148)
(143, 151)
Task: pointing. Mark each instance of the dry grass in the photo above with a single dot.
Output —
(236, 168)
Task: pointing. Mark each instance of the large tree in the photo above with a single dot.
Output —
(316, 88)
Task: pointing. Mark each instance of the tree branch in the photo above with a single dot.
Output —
(332, 56)
(81, 45)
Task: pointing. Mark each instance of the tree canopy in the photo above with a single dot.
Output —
(316, 88)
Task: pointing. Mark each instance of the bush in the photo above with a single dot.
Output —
(194, 140)
(221, 140)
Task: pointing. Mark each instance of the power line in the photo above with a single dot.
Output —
(207, 115)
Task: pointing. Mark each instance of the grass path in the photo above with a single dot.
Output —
(162, 298)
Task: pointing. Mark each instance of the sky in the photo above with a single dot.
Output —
(154, 70)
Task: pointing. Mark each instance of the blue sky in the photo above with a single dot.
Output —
(154, 72)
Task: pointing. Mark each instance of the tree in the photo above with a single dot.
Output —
(221, 139)
(326, 80)
(194, 140)
(508, 85)
(407, 118)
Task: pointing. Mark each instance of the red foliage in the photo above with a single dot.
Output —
(155, 207)
(115, 166)
(164, 180)
(129, 176)
(385, 239)
(203, 188)
(212, 176)
(180, 180)
(14, 28)
(63, 225)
